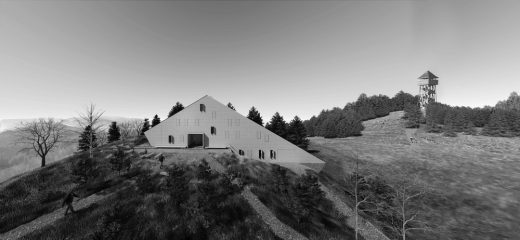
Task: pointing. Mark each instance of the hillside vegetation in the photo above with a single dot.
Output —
(471, 182)
(187, 199)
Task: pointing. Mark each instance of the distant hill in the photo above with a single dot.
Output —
(11, 124)
(14, 162)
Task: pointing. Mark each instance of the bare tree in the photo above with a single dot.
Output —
(407, 190)
(91, 118)
(355, 182)
(137, 126)
(41, 135)
(102, 137)
(126, 130)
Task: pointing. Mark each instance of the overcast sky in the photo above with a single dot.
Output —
(137, 58)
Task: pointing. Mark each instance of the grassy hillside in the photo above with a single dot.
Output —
(187, 199)
(472, 181)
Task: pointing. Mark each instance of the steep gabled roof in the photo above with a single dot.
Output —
(428, 75)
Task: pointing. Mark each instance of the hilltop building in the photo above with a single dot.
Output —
(207, 124)
(427, 88)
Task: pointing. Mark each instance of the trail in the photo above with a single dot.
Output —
(366, 229)
(50, 218)
(279, 228)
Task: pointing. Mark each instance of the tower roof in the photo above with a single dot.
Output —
(428, 75)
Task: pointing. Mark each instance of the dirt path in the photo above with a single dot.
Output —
(50, 218)
(366, 229)
(279, 228)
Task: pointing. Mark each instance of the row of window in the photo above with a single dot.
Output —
(213, 131)
(196, 122)
(261, 154)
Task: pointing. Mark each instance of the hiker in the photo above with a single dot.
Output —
(68, 200)
(161, 159)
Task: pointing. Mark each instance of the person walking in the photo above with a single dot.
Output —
(68, 201)
(161, 159)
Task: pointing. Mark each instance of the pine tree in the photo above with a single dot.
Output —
(470, 128)
(413, 115)
(254, 115)
(113, 133)
(175, 109)
(498, 124)
(449, 121)
(297, 134)
(231, 106)
(328, 128)
(146, 126)
(84, 140)
(349, 125)
(364, 108)
(156, 120)
(277, 125)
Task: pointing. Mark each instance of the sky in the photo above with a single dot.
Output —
(137, 58)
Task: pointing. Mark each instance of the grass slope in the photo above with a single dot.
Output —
(472, 180)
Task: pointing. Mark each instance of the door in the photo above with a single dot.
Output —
(195, 140)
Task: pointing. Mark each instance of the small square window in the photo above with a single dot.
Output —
(202, 108)
(213, 131)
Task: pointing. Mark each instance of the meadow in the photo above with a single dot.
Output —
(472, 182)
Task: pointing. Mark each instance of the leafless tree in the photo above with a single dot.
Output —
(126, 130)
(102, 137)
(355, 182)
(41, 135)
(137, 126)
(407, 190)
(91, 118)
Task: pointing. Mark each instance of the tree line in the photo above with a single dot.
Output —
(503, 120)
(347, 122)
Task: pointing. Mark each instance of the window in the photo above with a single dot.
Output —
(178, 121)
(241, 152)
(214, 115)
(213, 131)
(273, 154)
(230, 122)
(171, 139)
(260, 154)
(202, 108)
(266, 138)
(259, 135)
(196, 122)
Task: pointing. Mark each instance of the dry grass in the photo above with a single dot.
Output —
(476, 178)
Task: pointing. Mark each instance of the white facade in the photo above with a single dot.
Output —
(218, 126)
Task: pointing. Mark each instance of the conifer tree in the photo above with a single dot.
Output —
(156, 120)
(449, 121)
(84, 139)
(413, 115)
(431, 125)
(113, 133)
(277, 125)
(175, 109)
(296, 133)
(498, 124)
(254, 115)
(349, 125)
(146, 126)
(470, 129)
(328, 128)
(231, 106)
